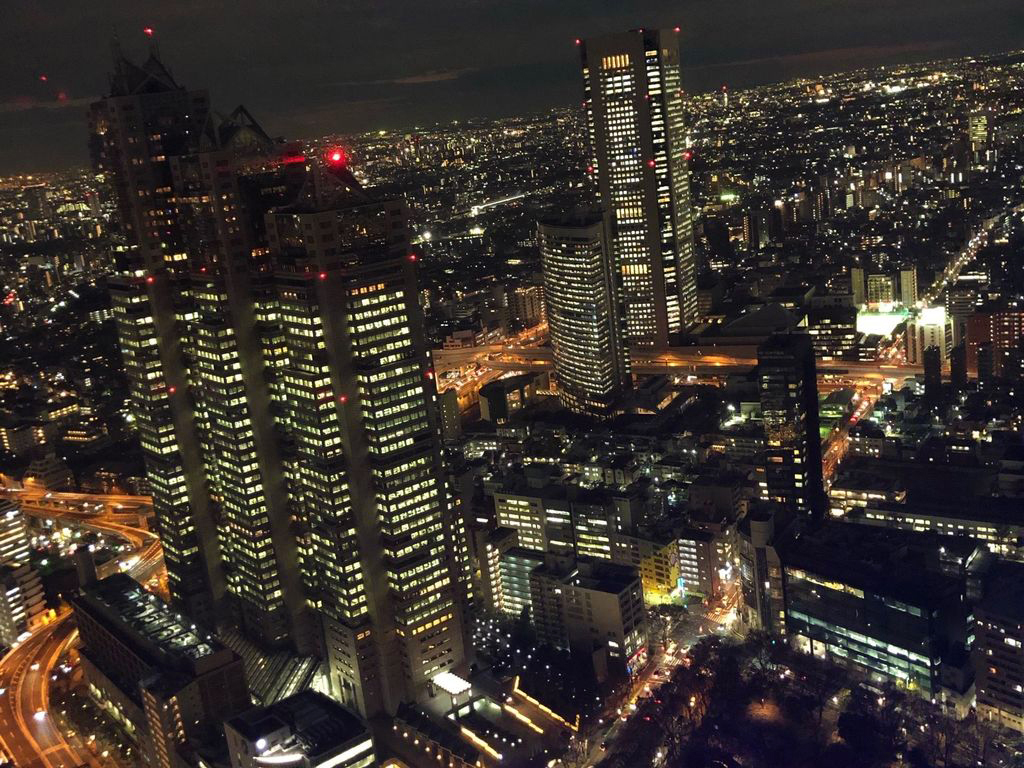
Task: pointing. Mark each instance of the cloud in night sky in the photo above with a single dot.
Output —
(309, 67)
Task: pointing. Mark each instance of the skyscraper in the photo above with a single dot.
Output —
(145, 120)
(633, 98)
(789, 409)
(367, 479)
(986, 365)
(933, 375)
(958, 369)
(908, 285)
(282, 389)
(591, 363)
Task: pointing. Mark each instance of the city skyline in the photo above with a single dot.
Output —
(322, 73)
(657, 429)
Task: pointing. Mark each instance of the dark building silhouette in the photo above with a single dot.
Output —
(933, 374)
(789, 409)
(958, 368)
(986, 365)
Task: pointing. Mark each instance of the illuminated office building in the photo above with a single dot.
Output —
(283, 393)
(931, 328)
(789, 410)
(633, 98)
(146, 118)
(367, 475)
(591, 363)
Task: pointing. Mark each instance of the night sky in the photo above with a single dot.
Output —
(310, 67)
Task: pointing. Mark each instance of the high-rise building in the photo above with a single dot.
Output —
(585, 605)
(1003, 327)
(591, 362)
(880, 290)
(633, 97)
(269, 321)
(999, 647)
(933, 374)
(22, 602)
(958, 368)
(986, 365)
(366, 478)
(858, 286)
(144, 120)
(789, 410)
(14, 544)
(762, 605)
(931, 328)
(978, 130)
(908, 285)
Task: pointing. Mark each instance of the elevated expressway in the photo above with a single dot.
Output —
(29, 734)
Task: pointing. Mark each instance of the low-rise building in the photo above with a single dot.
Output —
(655, 559)
(873, 601)
(857, 490)
(307, 730)
(589, 606)
(165, 681)
(999, 647)
(995, 521)
(698, 573)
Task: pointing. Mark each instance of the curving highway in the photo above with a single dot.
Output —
(30, 739)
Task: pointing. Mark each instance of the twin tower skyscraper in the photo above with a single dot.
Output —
(280, 382)
(623, 275)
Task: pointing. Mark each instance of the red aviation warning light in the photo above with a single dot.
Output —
(687, 155)
(336, 157)
(150, 279)
(43, 78)
(677, 30)
(323, 275)
(147, 31)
